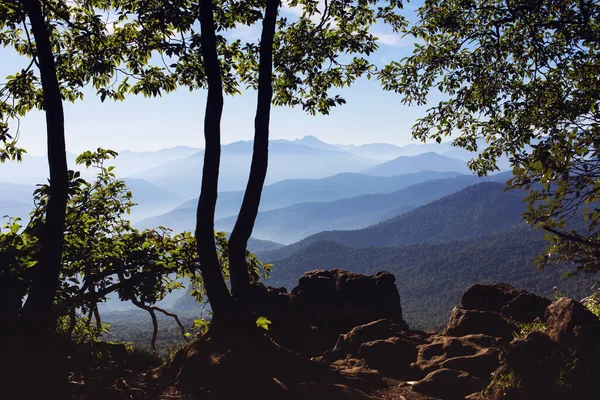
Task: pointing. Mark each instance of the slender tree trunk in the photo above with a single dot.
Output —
(240, 279)
(210, 267)
(38, 308)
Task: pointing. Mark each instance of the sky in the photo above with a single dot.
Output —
(145, 124)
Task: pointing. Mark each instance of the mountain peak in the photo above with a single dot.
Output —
(310, 138)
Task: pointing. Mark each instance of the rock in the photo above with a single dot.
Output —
(392, 357)
(431, 356)
(526, 307)
(326, 304)
(448, 384)
(356, 367)
(349, 343)
(489, 297)
(577, 330)
(317, 287)
(464, 322)
(531, 368)
(572, 325)
(481, 364)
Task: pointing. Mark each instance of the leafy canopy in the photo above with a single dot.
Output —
(103, 254)
(520, 78)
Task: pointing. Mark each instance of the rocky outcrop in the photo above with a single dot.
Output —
(448, 384)
(383, 345)
(489, 297)
(572, 325)
(443, 349)
(526, 307)
(326, 304)
(465, 322)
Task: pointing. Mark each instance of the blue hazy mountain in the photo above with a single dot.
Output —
(295, 222)
(474, 211)
(150, 199)
(286, 161)
(340, 186)
(427, 161)
(294, 191)
(311, 141)
(34, 169)
(15, 201)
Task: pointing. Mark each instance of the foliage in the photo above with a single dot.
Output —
(519, 78)
(263, 323)
(104, 255)
(593, 304)
(80, 330)
(525, 328)
(504, 384)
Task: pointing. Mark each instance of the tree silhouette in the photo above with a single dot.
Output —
(38, 309)
(521, 79)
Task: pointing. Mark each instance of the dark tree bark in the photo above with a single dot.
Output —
(38, 309)
(218, 294)
(240, 278)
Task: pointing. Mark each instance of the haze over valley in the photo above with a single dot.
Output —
(414, 210)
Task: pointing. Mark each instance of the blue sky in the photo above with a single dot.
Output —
(143, 124)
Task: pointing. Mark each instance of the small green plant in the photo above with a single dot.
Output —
(504, 382)
(593, 304)
(525, 328)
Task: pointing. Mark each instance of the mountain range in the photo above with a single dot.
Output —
(295, 222)
(294, 191)
(436, 251)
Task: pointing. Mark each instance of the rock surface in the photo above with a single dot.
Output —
(465, 322)
(448, 384)
(571, 324)
(526, 307)
(489, 297)
(326, 304)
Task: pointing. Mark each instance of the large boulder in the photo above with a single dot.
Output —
(432, 356)
(489, 297)
(577, 331)
(326, 304)
(349, 343)
(448, 384)
(465, 322)
(526, 307)
(392, 357)
(480, 364)
(531, 369)
(572, 325)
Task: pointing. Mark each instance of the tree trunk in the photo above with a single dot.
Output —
(210, 267)
(38, 309)
(240, 279)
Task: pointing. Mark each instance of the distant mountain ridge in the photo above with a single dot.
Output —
(286, 161)
(477, 210)
(304, 203)
(295, 222)
(293, 191)
(427, 161)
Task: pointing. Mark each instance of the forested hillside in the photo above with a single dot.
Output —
(293, 191)
(432, 277)
(295, 222)
(475, 211)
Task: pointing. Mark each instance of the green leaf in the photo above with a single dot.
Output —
(263, 323)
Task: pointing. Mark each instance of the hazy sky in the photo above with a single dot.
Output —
(140, 124)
